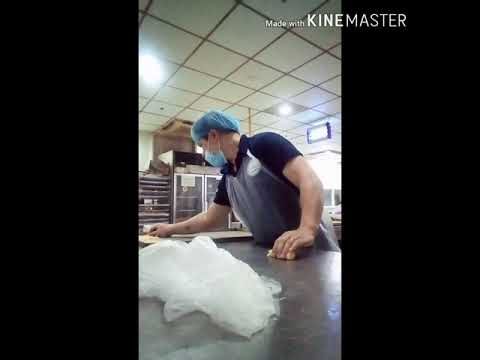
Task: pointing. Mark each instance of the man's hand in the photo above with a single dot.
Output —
(289, 241)
(161, 230)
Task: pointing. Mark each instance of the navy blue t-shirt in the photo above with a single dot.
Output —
(273, 150)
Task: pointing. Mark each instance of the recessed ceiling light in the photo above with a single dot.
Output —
(150, 69)
(285, 109)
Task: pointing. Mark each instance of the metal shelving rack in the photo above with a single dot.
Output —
(182, 194)
(154, 199)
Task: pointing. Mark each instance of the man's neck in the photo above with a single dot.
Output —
(232, 143)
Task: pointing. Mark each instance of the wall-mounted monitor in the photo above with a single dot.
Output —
(319, 133)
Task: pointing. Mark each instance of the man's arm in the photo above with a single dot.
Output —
(213, 217)
(300, 173)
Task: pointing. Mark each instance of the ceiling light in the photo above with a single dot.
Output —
(285, 109)
(150, 69)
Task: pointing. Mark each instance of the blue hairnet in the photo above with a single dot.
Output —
(214, 120)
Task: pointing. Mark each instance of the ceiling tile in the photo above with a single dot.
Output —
(190, 115)
(165, 41)
(300, 140)
(161, 108)
(148, 89)
(215, 60)
(326, 145)
(192, 80)
(286, 87)
(244, 31)
(264, 119)
(147, 127)
(259, 101)
(284, 10)
(329, 118)
(229, 92)
(176, 96)
(287, 53)
(141, 102)
(198, 17)
(240, 112)
(207, 104)
(331, 107)
(152, 118)
(291, 136)
(322, 68)
(307, 116)
(337, 50)
(303, 147)
(244, 127)
(335, 124)
(259, 130)
(301, 130)
(142, 4)
(269, 129)
(254, 75)
(285, 124)
(312, 97)
(325, 36)
(334, 85)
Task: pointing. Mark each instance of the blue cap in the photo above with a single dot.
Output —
(214, 120)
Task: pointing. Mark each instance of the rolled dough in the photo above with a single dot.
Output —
(148, 239)
(290, 255)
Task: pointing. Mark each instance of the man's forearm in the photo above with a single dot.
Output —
(198, 223)
(311, 202)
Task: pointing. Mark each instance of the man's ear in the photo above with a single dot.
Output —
(214, 134)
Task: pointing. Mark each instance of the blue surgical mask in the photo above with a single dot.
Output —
(216, 158)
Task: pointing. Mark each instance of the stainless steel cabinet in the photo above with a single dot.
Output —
(188, 196)
(211, 185)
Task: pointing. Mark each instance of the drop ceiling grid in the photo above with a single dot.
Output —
(252, 58)
(246, 58)
(208, 40)
(190, 55)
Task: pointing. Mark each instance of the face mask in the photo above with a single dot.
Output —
(217, 159)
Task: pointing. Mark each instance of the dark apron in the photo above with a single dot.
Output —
(268, 206)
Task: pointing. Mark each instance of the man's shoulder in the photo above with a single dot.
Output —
(258, 142)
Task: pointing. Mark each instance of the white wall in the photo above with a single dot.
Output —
(145, 149)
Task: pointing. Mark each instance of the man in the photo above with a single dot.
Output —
(269, 185)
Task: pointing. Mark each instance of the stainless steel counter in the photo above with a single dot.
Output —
(309, 325)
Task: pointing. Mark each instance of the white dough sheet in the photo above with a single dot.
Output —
(199, 276)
